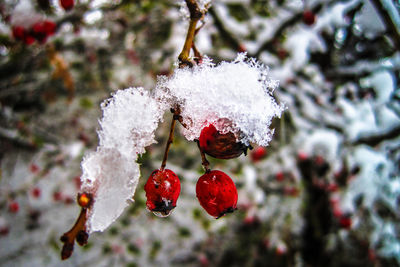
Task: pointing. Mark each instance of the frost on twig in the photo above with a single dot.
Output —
(234, 96)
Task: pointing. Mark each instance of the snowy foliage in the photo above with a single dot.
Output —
(234, 96)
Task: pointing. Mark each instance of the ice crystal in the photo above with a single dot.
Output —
(111, 173)
(235, 96)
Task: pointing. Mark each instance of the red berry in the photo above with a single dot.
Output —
(258, 153)
(221, 146)
(371, 255)
(242, 48)
(302, 156)
(18, 32)
(337, 212)
(309, 17)
(291, 191)
(13, 207)
(77, 182)
(68, 200)
(28, 38)
(162, 191)
(4, 230)
(281, 249)
(332, 187)
(67, 4)
(57, 196)
(280, 176)
(216, 193)
(36, 192)
(50, 27)
(319, 160)
(203, 260)
(34, 168)
(282, 53)
(345, 222)
(39, 32)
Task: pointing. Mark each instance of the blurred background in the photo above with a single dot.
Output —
(326, 192)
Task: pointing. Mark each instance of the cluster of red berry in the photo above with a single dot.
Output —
(39, 31)
(67, 4)
(215, 190)
(309, 17)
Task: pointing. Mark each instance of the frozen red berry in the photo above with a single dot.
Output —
(68, 200)
(162, 191)
(4, 230)
(258, 153)
(22, 34)
(18, 32)
(218, 145)
(28, 38)
(242, 48)
(302, 156)
(50, 27)
(13, 207)
(57, 196)
(34, 168)
(280, 176)
(36, 192)
(309, 17)
(67, 4)
(39, 32)
(345, 222)
(281, 249)
(291, 191)
(216, 193)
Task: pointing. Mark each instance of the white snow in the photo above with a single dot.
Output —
(234, 96)
(129, 120)
(111, 174)
(112, 178)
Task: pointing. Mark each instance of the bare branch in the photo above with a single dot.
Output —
(374, 140)
(391, 27)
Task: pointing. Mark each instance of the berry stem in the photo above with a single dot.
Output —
(204, 160)
(170, 139)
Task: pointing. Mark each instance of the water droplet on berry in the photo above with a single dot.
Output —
(162, 214)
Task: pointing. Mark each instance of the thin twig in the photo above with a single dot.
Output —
(169, 142)
(224, 32)
(204, 160)
(374, 140)
(195, 16)
(268, 45)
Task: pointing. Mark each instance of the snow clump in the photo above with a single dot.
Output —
(111, 174)
(234, 96)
